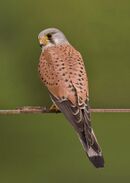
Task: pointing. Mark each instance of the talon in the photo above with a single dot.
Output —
(54, 108)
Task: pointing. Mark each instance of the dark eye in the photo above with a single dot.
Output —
(49, 36)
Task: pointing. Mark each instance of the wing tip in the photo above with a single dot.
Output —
(98, 161)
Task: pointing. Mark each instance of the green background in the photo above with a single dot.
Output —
(44, 148)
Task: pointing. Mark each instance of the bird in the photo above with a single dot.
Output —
(62, 71)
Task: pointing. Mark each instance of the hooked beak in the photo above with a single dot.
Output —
(43, 41)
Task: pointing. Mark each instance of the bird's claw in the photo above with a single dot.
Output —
(54, 108)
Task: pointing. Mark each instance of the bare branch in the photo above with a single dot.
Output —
(40, 110)
(28, 110)
(110, 110)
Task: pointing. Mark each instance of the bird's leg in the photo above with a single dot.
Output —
(54, 108)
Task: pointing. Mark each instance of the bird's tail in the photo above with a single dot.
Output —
(80, 120)
(92, 149)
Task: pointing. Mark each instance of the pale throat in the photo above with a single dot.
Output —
(55, 43)
(47, 46)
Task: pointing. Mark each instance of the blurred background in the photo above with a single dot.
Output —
(44, 148)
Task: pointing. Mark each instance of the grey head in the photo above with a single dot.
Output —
(51, 37)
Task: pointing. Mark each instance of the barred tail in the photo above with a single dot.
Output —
(93, 150)
(79, 117)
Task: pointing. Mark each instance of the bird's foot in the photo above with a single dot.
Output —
(54, 108)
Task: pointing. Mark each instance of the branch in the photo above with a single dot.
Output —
(41, 110)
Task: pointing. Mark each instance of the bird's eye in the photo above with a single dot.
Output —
(49, 36)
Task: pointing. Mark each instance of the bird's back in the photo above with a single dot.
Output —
(62, 70)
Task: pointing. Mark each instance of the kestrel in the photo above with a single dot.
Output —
(62, 70)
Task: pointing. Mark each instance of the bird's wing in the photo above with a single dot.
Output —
(73, 113)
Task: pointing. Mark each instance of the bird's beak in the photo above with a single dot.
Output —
(43, 41)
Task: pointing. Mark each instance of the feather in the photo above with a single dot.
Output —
(79, 117)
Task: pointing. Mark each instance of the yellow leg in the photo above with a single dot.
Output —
(54, 108)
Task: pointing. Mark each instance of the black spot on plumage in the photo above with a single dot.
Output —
(73, 90)
(66, 80)
(81, 84)
(69, 86)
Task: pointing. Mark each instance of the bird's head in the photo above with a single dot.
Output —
(51, 37)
